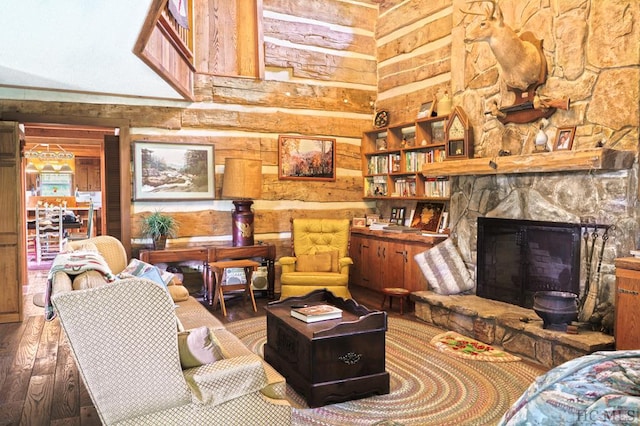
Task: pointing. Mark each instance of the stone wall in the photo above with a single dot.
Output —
(592, 54)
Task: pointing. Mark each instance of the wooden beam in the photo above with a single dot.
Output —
(557, 161)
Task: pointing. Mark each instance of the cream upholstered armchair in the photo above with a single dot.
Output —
(320, 258)
(109, 247)
(125, 340)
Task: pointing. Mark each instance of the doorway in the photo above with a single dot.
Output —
(74, 156)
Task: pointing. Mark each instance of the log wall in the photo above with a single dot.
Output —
(320, 80)
(414, 55)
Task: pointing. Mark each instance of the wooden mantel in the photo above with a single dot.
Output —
(545, 162)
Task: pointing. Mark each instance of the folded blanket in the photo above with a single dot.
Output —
(74, 263)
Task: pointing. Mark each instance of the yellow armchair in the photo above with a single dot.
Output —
(320, 258)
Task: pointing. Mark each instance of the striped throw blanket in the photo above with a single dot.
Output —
(74, 263)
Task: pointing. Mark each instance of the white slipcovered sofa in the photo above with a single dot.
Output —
(125, 339)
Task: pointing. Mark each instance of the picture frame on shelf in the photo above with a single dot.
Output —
(444, 222)
(359, 222)
(427, 216)
(306, 158)
(564, 138)
(437, 132)
(173, 171)
(381, 143)
(426, 109)
(372, 218)
(397, 215)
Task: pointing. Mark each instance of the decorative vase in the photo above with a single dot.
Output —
(444, 105)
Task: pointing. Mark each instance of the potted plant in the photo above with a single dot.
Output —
(158, 227)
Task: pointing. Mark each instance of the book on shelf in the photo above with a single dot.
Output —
(437, 187)
(405, 187)
(378, 164)
(394, 160)
(400, 229)
(316, 313)
(378, 226)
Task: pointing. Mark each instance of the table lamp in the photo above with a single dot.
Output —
(242, 182)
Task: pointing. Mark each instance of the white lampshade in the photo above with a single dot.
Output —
(242, 178)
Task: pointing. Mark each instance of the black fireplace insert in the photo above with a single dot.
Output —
(517, 258)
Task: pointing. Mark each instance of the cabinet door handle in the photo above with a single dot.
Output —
(625, 291)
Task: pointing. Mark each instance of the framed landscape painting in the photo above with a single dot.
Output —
(306, 158)
(170, 171)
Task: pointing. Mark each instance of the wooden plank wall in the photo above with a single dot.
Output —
(414, 55)
(320, 80)
(328, 65)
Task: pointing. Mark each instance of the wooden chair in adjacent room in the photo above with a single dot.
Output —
(76, 236)
(50, 238)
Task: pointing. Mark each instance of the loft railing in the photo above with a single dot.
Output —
(167, 47)
(181, 36)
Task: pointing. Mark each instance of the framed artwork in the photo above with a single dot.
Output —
(397, 215)
(306, 158)
(426, 109)
(564, 139)
(372, 218)
(172, 171)
(359, 222)
(427, 216)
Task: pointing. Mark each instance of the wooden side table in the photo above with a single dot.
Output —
(218, 269)
(200, 254)
(266, 252)
(391, 292)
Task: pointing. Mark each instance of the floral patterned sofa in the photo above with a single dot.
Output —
(602, 388)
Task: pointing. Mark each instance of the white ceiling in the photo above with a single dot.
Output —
(81, 46)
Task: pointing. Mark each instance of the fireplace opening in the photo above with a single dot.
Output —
(517, 258)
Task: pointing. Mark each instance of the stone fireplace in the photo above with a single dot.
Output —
(607, 197)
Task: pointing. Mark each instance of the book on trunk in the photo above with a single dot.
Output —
(316, 313)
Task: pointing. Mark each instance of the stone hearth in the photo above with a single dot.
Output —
(500, 324)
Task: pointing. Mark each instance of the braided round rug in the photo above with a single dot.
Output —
(428, 387)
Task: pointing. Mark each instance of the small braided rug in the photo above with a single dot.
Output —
(428, 387)
(466, 347)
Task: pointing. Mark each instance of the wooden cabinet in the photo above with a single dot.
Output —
(87, 174)
(393, 158)
(12, 229)
(627, 325)
(382, 259)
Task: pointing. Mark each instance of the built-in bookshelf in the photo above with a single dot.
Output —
(393, 158)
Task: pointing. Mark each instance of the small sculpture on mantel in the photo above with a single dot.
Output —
(522, 62)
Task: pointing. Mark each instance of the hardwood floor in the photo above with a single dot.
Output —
(39, 382)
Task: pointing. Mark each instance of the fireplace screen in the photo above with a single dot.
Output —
(516, 258)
